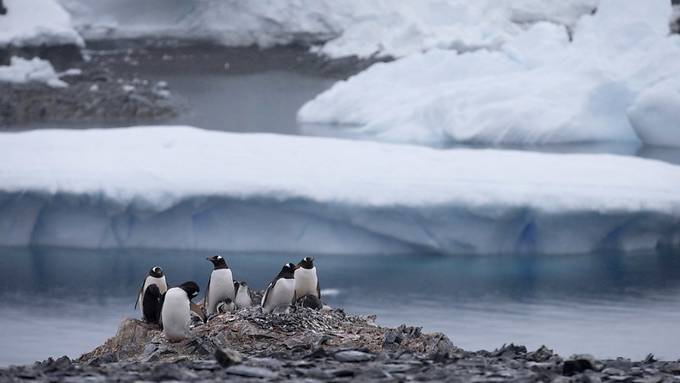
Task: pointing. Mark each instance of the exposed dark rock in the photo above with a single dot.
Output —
(227, 357)
(577, 364)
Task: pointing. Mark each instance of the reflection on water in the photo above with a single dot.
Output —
(57, 301)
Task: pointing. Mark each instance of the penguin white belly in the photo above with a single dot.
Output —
(176, 314)
(221, 287)
(280, 295)
(160, 282)
(243, 298)
(306, 282)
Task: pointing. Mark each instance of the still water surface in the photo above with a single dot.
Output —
(61, 301)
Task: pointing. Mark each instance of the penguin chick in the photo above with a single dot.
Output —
(306, 280)
(156, 276)
(310, 301)
(281, 291)
(176, 310)
(226, 306)
(243, 298)
(220, 285)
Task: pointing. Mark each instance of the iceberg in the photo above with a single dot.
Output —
(33, 23)
(186, 188)
(337, 28)
(548, 84)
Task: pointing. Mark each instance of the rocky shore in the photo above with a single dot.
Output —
(108, 83)
(328, 345)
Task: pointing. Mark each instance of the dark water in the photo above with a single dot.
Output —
(60, 301)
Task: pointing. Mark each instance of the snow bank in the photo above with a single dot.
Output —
(36, 22)
(34, 70)
(655, 114)
(344, 27)
(539, 88)
(178, 187)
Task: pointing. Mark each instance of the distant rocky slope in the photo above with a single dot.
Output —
(322, 346)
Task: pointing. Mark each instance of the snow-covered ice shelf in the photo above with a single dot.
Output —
(36, 23)
(339, 27)
(180, 187)
(614, 76)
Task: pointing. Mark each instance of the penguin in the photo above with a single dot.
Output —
(3, 9)
(220, 285)
(225, 306)
(281, 292)
(149, 301)
(306, 280)
(242, 299)
(176, 312)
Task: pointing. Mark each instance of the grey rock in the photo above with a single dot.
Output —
(227, 357)
(353, 356)
(251, 372)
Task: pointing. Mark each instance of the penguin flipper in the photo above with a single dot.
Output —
(205, 298)
(318, 289)
(266, 292)
(141, 291)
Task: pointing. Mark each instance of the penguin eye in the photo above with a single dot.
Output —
(219, 258)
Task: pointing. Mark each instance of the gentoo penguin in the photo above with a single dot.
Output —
(149, 300)
(306, 281)
(176, 315)
(225, 306)
(281, 292)
(242, 295)
(220, 285)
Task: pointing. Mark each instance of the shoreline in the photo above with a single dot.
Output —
(111, 84)
(323, 346)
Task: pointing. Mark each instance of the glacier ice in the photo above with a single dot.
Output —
(339, 27)
(546, 85)
(181, 187)
(36, 23)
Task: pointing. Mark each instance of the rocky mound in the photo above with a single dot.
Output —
(322, 346)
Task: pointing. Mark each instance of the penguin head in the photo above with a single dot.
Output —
(191, 288)
(218, 262)
(156, 272)
(306, 263)
(287, 271)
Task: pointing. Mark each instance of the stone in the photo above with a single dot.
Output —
(251, 372)
(353, 356)
(227, 357)
(577, 364)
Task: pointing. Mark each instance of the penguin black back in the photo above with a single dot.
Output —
(152, 304)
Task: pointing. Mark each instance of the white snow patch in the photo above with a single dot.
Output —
(36, 23)
(35, 70)
(180, 187)
(655, 114)
(539, 88)
(342, 27)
